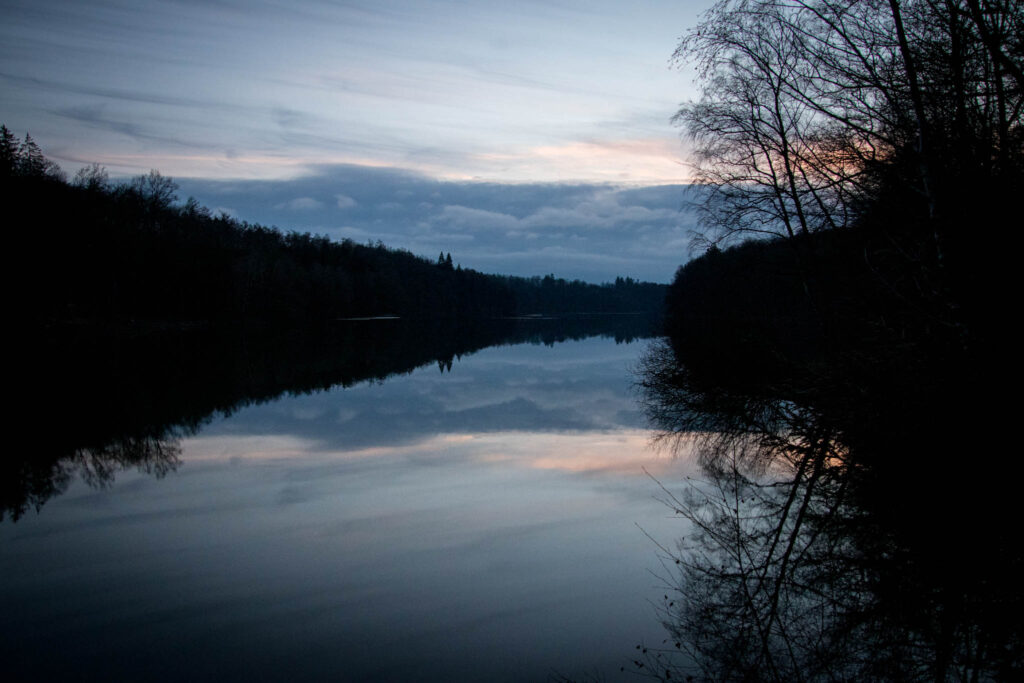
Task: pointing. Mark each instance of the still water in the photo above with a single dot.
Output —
(487, 516)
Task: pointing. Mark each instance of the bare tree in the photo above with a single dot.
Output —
(785, 573)
(807, 106)
(895, 126)
(93, 177)
(158, 191)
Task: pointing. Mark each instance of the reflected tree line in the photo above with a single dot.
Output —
(808, 559)
(834, 358)
(96, 401)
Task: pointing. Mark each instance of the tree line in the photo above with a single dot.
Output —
(835, 356)
(129, 251)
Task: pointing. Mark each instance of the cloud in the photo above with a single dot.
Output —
(301, 204)
(96, 116)
(589, 231)
(209, 89)
(646, 158)
(467, 218)
(344, 201)
(94, 92)
(521, 389)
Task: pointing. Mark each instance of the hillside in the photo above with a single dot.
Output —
(103, 251)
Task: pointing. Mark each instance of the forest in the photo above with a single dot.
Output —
(834, 357)
(128, 252)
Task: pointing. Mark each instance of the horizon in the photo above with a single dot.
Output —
(344, 111)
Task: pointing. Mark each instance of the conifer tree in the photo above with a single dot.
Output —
(31, 162)
(10, 154)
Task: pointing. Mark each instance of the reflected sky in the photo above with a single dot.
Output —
(568, 387)
(478, 523)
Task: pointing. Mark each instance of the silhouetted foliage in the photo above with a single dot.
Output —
(839, 530)
(9, 153)
(837, 380)
(811, 108)
(158, 192)
(845, 527)
(848, 523)
(128, 252)
(92, 177)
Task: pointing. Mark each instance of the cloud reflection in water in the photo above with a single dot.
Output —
(419, 528)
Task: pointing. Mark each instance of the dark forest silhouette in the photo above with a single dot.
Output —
(853, 520)
(838, 377)
(126, 251)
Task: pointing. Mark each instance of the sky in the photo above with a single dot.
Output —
(522, 137)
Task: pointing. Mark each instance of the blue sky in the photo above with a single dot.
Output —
(395, 120)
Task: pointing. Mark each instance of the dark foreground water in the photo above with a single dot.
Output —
(479, 517)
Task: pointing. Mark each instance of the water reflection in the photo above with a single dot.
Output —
(828, 550)
(30, 482)
(124, 401)
(473, 525)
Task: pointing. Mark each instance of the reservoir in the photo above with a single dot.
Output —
(472, 511)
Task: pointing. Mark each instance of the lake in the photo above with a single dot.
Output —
(483, 511)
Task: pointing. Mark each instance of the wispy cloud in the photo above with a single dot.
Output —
(530, 91)
(113, 93)
(300, 204)
(345, 202)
